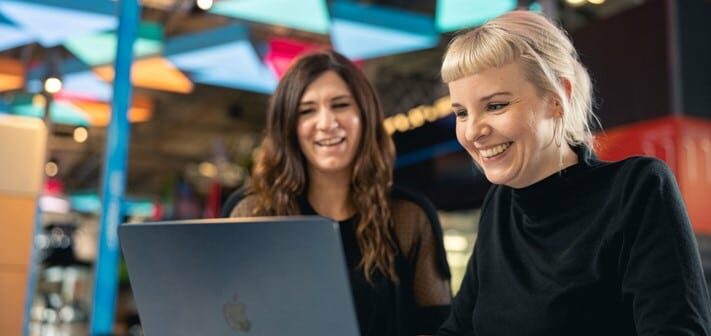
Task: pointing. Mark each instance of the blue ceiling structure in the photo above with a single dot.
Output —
(40, 18)
(12, 35)
(222, 57)
(368, 31)
(226, 56)
(307, 15)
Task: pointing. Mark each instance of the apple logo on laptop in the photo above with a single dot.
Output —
(236, 315)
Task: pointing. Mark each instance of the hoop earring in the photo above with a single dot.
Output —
(558, 138)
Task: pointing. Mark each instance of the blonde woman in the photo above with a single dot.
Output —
(567, 244)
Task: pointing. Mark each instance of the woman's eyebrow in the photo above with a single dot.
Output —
(311, 102)
(341, 97)
(487, 97)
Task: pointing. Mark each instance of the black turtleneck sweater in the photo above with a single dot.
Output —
(598, 249)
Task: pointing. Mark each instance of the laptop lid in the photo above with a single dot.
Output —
(257, 276)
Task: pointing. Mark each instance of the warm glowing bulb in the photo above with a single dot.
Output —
(401, 122)
(596, 2)
(207, 169)
(51, 169)
(80, 134)
(575, 2)
(204, 4)
(39, 100)
(388, 124)
(416, 118)
(52, 85)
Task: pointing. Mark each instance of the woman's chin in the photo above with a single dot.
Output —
(497, 177)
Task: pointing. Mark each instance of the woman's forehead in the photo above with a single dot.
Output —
(507, 78)
(327, 85)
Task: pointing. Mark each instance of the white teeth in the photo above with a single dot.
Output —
(491, 152)
(330, 141)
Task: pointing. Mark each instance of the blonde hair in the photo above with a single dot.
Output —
(546, 54)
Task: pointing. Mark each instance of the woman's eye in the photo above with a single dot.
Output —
(460, 113)
(306, 111)
(341, 105)
(496, 106)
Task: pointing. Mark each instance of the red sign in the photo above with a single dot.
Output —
(684, 143)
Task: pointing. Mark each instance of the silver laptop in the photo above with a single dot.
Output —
(249, 276)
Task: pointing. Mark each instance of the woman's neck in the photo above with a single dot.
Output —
(329, 195)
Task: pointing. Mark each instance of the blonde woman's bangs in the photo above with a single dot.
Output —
(476, 51)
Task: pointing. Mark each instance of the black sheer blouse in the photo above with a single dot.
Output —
(420, 302)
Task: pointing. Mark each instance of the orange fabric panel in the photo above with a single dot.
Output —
(100, 113)
(13, 281)
(16, 229)
(152, 73)
(12, 74)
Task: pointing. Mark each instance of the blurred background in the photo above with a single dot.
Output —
(202, 74)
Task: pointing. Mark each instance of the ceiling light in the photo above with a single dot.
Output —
(204, 4)
(80, 134)
(52, 85)
(575, 2)
(416, 118)
(207, 169)
(39, 100)
(51, 169)
(389, 126)
(596, 2)
(401, 122)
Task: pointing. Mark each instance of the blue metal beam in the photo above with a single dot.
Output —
(114, 176)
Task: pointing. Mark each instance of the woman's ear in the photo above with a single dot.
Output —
(567, 87)
(557, 109)
(556, 106)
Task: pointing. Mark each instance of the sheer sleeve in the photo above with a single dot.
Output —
(420, 238)
(242, 209)
(419, 245)
(459, 322)
(239, 204)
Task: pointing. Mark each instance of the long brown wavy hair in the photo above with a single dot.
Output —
(280, 169)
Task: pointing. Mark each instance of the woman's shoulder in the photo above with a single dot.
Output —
(413, 206)
(416, 223)
(413, 215)
(643, 172)
(646, 167)
(239, 204)
(638, 187)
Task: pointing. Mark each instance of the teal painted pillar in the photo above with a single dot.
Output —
(114, 175)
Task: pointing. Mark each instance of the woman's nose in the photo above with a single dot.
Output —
(326, 120)
(475, 130)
